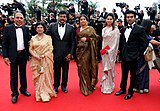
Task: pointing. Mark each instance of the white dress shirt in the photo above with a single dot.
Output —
(20, 41)
(128, 31)
(61, 31)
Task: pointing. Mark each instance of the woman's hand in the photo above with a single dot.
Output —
(37, 57)
(42, 56)
(83, 39)
(68, 57)
(7, 61)
(106, 51)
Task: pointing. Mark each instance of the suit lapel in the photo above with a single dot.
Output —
(14, 32)
(132, 31)
(56, 29)
(24, 33)
(65, 31)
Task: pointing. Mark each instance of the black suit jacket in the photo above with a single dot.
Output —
(104, 15)
(65, 46)
(134, 48)
(9, 43)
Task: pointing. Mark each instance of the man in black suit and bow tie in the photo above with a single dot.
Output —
(104, 13)
(63, 44)
(15, 53)
(135, 44)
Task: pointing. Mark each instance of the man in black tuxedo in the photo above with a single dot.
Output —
(135, 44)
(124, 13)
(15, 53)
(104, 13)
(63, 44)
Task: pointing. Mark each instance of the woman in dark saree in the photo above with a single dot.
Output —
(87, 61)
(142, 83)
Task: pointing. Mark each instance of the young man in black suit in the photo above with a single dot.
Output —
(135, 43)
(15, 53)
(63, 44)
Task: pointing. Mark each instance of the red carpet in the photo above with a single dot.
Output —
(74, 100)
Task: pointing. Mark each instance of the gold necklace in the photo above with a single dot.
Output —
(39, 37)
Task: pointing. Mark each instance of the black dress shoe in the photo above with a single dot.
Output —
(26, 93)
(14, 99)
(56, 90)
(64, 90)
(120, 92)
(128, 96)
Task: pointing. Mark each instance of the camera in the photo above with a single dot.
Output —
(148, 8)
(159, 6)
(121, 5)
(137, 7)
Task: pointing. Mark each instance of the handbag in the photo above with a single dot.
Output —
(103, 51)
(148, 54)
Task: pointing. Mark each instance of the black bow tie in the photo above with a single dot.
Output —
(18, 27)
(61, 25)
(129, 27)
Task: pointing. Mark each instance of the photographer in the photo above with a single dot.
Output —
(115, 14)
(140, 16)
(7, 8)
(71, 8)
(151, 12)
(84, 7)
(124, 13)
(51, 8)
(38, 13)
(90, 11)
(20, 6)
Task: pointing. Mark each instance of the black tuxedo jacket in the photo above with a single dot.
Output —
(134, 48)
(65, 46)
(9, 43)
(104, 15)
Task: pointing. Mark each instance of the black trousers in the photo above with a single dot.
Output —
(60, 65)
(18, 64)
(126, 67)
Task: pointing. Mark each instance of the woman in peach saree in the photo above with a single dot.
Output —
(42, 64)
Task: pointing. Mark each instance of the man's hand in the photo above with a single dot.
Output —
(68, 57)
(7, 61)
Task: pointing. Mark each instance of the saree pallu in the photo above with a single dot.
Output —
(42, 81)
(87, 61)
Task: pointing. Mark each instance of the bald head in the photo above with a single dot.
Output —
(18, 18)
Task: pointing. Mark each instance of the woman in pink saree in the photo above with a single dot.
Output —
(42, 64)
(87, 61)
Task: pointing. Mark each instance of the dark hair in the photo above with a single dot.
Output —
(112, 15)
(131, 12)
(119, 20)
(146, 23)
(62, 12)
(114, 10)
(83, 15)
(40, 23)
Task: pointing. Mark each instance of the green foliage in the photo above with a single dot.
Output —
(95, 5)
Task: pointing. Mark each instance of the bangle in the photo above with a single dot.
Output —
(42, 56)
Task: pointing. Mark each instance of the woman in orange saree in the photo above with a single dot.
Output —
(87, 61)
(42, 64)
